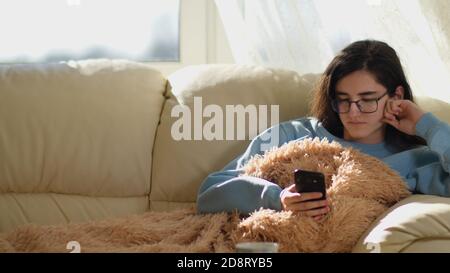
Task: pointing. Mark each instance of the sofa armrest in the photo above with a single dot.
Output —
(419, 223)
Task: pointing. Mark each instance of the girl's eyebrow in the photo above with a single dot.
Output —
(365, 93)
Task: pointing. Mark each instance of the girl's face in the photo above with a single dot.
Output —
(362, 127)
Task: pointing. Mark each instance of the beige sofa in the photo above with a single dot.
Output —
(92, 139)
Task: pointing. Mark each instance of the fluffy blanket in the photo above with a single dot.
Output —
(359, 186)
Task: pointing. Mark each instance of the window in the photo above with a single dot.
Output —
(58, 30)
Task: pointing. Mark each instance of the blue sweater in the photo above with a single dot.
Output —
(425, 169)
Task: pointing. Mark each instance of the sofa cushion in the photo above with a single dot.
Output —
(17, 209)
(439, 108)
(416, 224)
(80, 128)
(183, 164)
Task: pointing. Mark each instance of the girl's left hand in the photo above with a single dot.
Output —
(402, 115)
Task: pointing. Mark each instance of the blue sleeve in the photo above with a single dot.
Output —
(227, 191)
(432, 177)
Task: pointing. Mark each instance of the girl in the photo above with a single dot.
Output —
(363, 101)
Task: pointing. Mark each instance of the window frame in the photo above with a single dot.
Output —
(202, 38)
(199, 19)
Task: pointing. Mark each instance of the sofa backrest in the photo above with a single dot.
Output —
(76, 140)
(439, 108)
(181, 165)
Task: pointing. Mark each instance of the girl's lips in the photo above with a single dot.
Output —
(356, 123)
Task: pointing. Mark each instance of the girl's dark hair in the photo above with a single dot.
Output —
(382, 62)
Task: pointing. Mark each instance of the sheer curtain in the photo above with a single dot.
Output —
(304, 35)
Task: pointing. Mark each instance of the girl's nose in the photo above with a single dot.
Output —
(354, 110)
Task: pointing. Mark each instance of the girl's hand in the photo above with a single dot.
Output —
(402, 115)
(300, 203)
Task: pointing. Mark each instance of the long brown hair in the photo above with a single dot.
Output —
(382, 62)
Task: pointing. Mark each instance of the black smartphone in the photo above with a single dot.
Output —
(307, 181)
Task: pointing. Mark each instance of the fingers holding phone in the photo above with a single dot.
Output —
(307, 196)
(304, 203)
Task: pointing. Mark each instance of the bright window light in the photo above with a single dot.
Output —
(59, 30)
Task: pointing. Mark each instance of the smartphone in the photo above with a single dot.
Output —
(307, 181)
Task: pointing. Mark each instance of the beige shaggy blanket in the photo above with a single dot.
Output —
(359, 186)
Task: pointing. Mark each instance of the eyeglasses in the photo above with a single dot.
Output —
(364, 105)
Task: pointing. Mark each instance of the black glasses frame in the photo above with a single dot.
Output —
(335, 106)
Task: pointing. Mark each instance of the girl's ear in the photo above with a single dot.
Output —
(399, 93)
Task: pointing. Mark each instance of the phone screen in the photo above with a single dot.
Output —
(307, 181)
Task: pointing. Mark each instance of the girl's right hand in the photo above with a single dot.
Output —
(402, 115)
(301, 203)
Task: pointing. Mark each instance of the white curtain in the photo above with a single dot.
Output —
(304, 35)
